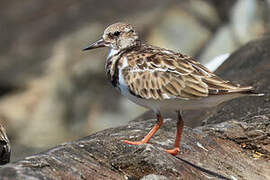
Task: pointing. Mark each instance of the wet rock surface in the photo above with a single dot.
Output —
(233, 143)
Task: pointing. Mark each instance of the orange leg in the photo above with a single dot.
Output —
(180, 126)
(150, 134)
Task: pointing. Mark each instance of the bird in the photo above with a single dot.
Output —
(160, 79)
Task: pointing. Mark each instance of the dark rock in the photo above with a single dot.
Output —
(248, 66)
(4, 146)
(103, 155)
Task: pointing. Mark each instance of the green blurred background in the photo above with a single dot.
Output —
(52, 92)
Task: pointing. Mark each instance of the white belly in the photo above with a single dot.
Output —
(178, 104)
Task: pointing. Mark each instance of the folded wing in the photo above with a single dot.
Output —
(165, 76)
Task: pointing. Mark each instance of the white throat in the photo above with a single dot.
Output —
(112, 52)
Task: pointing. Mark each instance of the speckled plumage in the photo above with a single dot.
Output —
(161, 79)
(155, 73)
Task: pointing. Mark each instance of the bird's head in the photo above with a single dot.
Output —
(117, 36)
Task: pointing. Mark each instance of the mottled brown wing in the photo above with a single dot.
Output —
(164, 76)
(154, 76)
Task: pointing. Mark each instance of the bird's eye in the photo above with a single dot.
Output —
(116, 33)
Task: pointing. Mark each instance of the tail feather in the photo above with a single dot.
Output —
(245, 90)
(218, 86)
(253, 93)
(240, 89)
(249, 90)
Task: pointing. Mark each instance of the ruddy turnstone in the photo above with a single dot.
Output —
(160, 79)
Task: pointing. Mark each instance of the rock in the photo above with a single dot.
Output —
(205, 152)
(235, 148)
(247, 66)
(154, 177)
(4, 146)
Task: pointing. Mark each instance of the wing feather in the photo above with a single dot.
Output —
(163, 76)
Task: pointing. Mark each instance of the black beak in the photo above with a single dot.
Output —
(97, 44)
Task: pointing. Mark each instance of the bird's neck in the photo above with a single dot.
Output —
(111, 64)
(112, 52)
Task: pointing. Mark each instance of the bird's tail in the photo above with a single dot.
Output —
(252, 93)
(248, 90)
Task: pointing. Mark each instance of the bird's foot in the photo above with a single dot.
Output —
(173, 151)
(134, 142)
